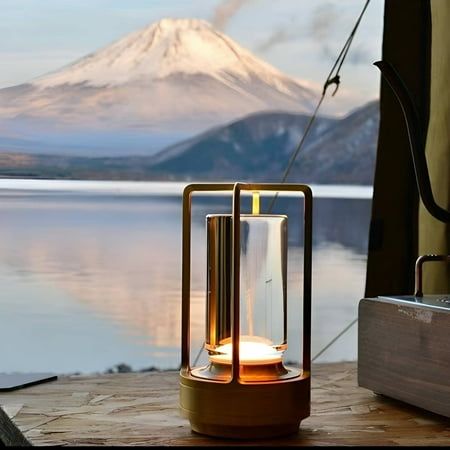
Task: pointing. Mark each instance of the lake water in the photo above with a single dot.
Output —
(91, 272)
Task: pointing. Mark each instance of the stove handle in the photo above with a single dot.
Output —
(419, 263)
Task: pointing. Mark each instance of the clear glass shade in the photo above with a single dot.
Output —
(263, 272)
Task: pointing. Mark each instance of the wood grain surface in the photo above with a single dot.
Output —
(142, 409)
(404, 352)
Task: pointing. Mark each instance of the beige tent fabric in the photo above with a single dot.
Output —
(434, 236)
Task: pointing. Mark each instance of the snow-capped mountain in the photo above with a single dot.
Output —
(172, 79)
(173, 47)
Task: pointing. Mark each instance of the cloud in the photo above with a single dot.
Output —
(325, 21)
(320, 29)
(324, 18)
(279, 36)
(359, 55)
(225, 11)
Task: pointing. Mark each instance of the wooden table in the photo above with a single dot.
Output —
(142, 409)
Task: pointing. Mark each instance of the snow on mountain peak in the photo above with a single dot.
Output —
(165, 48)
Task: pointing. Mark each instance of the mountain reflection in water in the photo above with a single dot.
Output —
(90, 281)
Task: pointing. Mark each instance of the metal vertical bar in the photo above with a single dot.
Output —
(186, 264)
(307, 277)
(235, 292)
(186, 279)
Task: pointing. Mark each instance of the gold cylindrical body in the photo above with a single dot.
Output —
(245, 410)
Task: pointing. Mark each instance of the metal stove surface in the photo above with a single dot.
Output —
(441, 301)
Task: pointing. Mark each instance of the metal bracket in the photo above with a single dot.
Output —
(419, 263)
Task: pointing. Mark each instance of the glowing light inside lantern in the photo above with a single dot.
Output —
(250, 352)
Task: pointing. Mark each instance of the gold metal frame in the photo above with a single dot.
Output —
(236, 189)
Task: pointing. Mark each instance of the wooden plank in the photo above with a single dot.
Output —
(142, 409)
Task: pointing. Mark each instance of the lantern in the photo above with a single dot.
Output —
(246, 390)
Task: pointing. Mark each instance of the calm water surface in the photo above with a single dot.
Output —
(91, 273)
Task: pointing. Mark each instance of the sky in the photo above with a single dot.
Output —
(299, 37)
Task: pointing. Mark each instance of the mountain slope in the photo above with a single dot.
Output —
(346, 151)
(255, 148)
(259, 148)
(176, 77)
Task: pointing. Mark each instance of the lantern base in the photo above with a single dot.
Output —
(245, 410)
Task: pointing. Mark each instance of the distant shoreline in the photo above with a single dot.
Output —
(160, 188)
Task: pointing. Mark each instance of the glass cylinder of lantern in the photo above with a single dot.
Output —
(263, 272)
